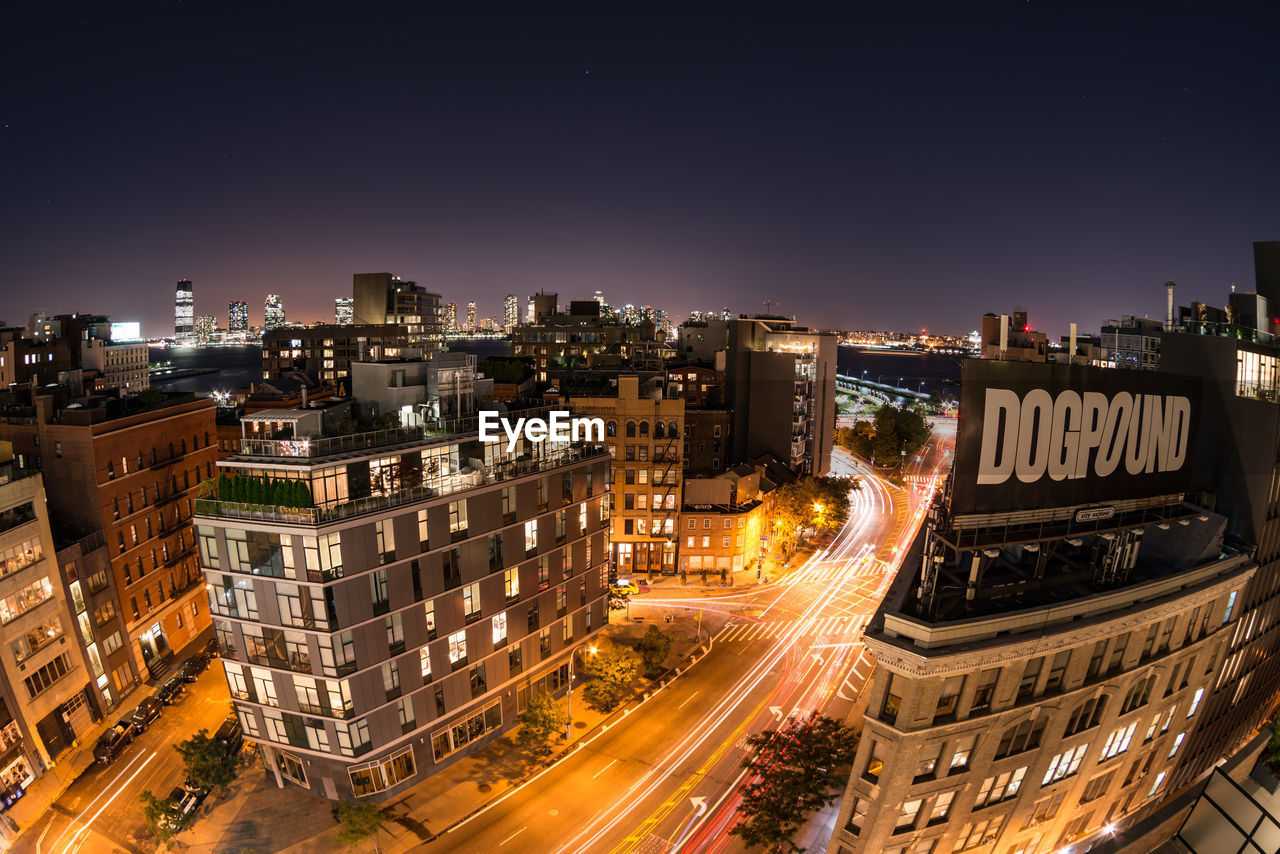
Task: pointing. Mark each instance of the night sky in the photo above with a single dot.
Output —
(898, 165)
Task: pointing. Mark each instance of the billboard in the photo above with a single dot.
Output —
(126, 331)
(1033, 436)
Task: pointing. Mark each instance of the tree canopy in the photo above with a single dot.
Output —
(206, 761)
(895, 434)
(611, 669)
(541, 721)
(360, 820)
(654, 648)
(795, 770)
(821, 503)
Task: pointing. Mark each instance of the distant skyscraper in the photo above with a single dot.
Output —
(237, 317)
(471, 317)
(451, 317)
(510, 312)
(184, 311)
(206, 326)
(383, 298)
(272, 312)
(343, 310)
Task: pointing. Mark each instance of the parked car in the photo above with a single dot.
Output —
(194, 666)
(211, 648)
(173, 692)
(230, 735)
(113, 742)
(182, 803)
(143, 716)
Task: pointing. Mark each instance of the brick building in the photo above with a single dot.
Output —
(644, 432)
(129, 471)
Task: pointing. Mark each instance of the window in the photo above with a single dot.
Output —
(458, 649)
(467, 730)
(1230, 609)
(1016, 739)
(478, 682)
(1030, 675)
(941, 806)
(378, 591)
(1000, 788)
(511, 579)
(1159, 779)
(985, 691)
(875, 763)
(1064, 764)
(1177, 743)
(858, 815)
(1086, 715)
(471, 602)
(1045, 810)
(1117, 654)
(961, 753)
(927, 764)
(1057, 670)
(384, 774)
(1138, 695)
(423, 536)
(1195, 702)
(386, 539)
(51, 672)
(391, 679)
(424, 660)
(499, 629)
(395, 633)
(972, 835)
(429, 612)
(949, 699)
(458, 518)
(1117, 742)
(892, 700)
(907, 817)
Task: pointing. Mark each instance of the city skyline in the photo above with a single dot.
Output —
(1070, 159)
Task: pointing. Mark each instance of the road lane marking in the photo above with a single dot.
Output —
(687, 699)
(602, 770)
(89, 824)
(514, 835)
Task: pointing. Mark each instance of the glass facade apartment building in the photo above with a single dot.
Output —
(408, 616)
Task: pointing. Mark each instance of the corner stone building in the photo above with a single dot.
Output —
(408, 616)
(1029, 729)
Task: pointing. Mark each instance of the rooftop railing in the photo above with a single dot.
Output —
(315, 447)
(468, 479)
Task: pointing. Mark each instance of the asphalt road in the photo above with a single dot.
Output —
(667, 778)
(101, 811)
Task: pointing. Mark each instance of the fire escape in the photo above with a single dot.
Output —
(671, 512)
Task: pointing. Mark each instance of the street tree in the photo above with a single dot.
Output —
(206, 761)
(163, 824)
(541, 721)
(794, 771)
(611, 669)
(360, 820)
(820, 503)
(654, 648)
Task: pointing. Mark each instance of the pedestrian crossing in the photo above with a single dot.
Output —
(835, 629)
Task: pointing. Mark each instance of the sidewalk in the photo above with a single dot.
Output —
(258, 816)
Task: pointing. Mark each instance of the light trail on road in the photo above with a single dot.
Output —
(609, 819)
(830, 567)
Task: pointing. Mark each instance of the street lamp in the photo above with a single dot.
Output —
(568, 727)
